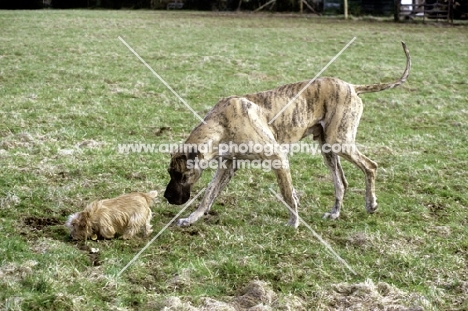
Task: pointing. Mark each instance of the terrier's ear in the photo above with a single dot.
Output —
(83, 219)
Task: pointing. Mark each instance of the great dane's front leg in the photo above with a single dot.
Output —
(284, 179)
(222, 177)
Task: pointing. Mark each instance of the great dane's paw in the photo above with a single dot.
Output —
(331, 216)
(183, 222)
(372, 208)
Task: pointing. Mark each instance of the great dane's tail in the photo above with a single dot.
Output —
(368, 88)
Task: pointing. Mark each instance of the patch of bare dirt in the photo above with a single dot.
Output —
(39, 223)
(35, 227)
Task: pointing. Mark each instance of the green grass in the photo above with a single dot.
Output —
(70, 92)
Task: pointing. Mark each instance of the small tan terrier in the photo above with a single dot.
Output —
(125, 215)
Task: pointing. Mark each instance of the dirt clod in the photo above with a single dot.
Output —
(39, 223)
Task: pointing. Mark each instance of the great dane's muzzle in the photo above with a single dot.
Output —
(177, 193)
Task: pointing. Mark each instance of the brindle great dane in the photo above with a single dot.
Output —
(329, 109)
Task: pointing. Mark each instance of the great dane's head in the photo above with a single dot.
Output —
(184, 171)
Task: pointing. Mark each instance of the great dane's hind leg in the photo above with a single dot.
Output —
(222, 177)
(332, 160)
(340, 131)
(369, 168)
(284, 179)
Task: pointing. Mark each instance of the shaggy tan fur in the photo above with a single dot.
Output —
(125, 215)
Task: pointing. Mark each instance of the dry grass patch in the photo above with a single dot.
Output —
(258, 296)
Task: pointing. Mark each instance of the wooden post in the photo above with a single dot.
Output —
(396, 14)
(301, 5)
(346, 9)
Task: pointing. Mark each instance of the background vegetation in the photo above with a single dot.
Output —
(205, 5)
(70, 92)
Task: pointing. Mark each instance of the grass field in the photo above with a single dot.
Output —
(71, 92)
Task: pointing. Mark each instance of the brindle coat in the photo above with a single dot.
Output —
(329, 109)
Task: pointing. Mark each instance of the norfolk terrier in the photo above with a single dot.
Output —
(125, 216)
